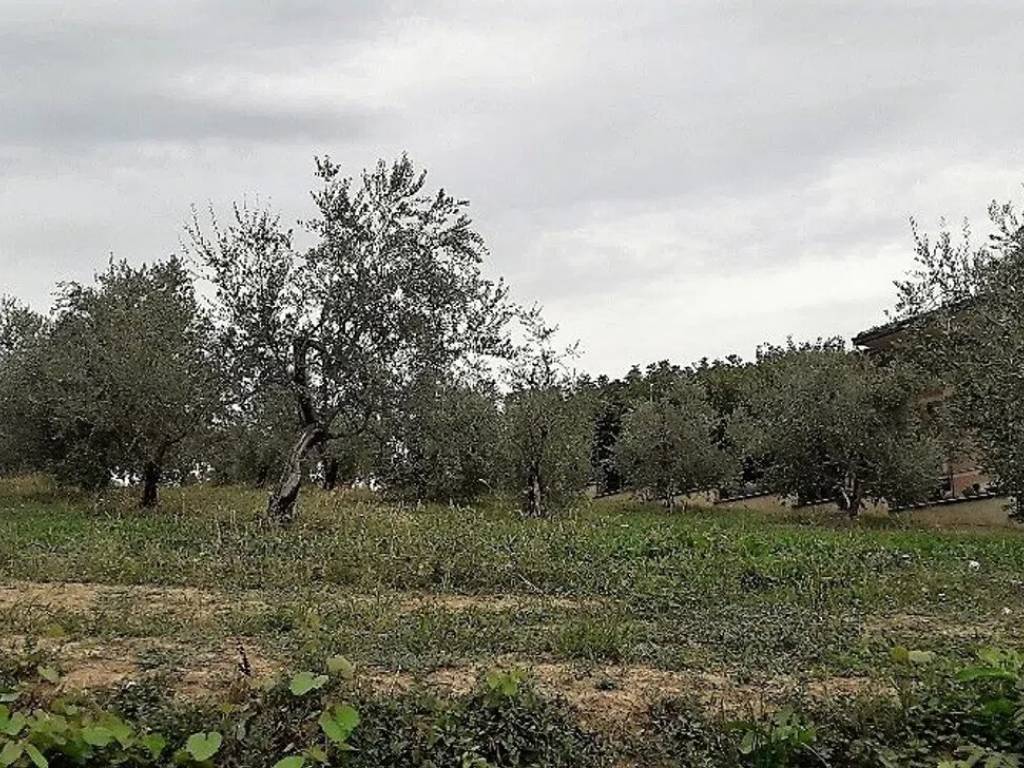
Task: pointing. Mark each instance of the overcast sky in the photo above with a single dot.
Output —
(671, 180)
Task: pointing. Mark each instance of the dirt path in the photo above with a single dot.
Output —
(82, 597)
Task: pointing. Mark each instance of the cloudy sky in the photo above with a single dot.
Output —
(671, 180)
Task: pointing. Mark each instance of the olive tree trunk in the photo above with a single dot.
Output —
(851, 496)
(281, 505)
(150, 484)
(330, 468)
(534, 506)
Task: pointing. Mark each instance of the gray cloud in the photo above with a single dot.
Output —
(670, 179)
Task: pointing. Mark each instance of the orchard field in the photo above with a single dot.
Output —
(615, 634)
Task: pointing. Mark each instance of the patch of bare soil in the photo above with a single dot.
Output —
(612, 698)
(849, 687)
(907, 624)
(91, 667)
(191, 672)
(64, 595)
(495, 603)
(79, 597)
(209, 672)
(193, 602)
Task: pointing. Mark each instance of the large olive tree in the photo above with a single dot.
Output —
(830, 424)
(390, 285)
(131, 374)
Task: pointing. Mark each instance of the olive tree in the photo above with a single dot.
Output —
(667, 446)
(612, 400)
(547, 425)
(962, 318)
(131, 373)
(831, 424)
(23, 444)
(442, 443)
(390, 285)
(610, 407)
(725, 384)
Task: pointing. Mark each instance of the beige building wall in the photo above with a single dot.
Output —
(989, 512)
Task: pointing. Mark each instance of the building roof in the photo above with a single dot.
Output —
(879, 335)
(873, 335)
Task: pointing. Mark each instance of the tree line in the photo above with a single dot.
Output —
(380, 350)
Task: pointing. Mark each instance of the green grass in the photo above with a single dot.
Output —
(618, 582)
(617, 585)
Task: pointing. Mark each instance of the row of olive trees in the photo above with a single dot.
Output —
(380, 350)
(374, 350)
(809, 421)
(121, 387)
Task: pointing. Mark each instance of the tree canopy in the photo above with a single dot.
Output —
(392, 285)
(23, 428)
(131, 373)
(962, 317)
(827, 424)
(547, 423)
(667, 446)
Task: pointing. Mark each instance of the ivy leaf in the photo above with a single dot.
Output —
(338, 722)
(11, 725)
(10, 753)
(154, 743)
(49, 674)
(748, 743)
(120, 729)
(36, 756)
(293, 761)
(304, 682)
(203, 746)
(15, 724)
(504, 682)
(97, 735)
(339, 665)
(317, 755)
(900, 654)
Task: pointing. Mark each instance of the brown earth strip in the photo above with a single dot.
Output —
(81, 597)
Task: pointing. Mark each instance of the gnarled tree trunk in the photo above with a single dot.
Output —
(150, 483)
(534, 506)
(281, 505)
(850, 496)
(329, 467)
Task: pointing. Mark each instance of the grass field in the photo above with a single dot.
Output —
(623, 614)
